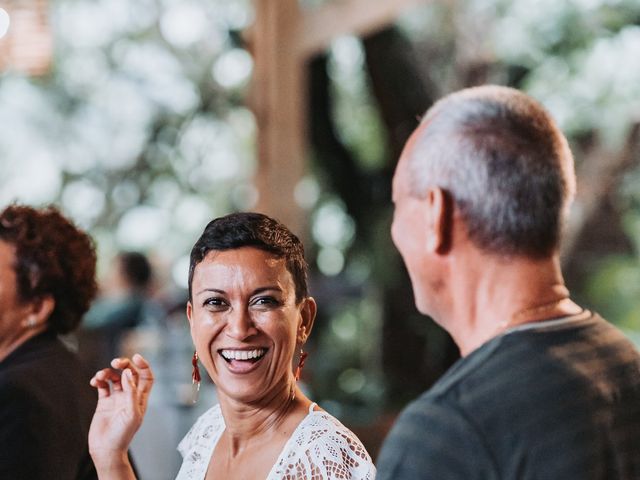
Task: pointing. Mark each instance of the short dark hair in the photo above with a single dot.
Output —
(256, 230)
(505, 163)
(53, 257)
(136, 268)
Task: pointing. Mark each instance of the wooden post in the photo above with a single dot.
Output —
(282, 39)
(321, 26)
(278, 100)
(27, 45)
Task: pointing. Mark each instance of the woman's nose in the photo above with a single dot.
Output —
(240, 325)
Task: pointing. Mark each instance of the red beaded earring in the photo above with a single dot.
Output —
(195, 376)
(303, 357)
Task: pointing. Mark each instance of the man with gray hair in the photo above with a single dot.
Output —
(544, 389)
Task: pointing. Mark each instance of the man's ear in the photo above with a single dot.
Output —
(308, 312)
(437, 225)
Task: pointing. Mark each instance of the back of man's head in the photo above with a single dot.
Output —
(504, 162)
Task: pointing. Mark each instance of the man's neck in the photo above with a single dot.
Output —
(495, 294)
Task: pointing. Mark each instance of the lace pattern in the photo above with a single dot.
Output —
(320, 448)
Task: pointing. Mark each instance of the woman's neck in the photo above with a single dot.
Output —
(247, 423)
(11, 342)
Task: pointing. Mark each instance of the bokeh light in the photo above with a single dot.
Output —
(5, 22)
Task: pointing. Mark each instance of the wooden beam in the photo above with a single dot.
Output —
(278, 101)
(281, 40)
(321, 26)
(27, 46)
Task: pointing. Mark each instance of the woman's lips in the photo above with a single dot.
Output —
(242, 360)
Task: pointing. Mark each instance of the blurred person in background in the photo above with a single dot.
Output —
(47, 281)
(545, 389)
(250, 315)
(124, 303)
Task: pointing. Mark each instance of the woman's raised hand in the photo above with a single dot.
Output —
(122, 402)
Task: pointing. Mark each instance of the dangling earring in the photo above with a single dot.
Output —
(298, 371)
(303, 357)
(195, 376)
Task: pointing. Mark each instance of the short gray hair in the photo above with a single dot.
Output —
(504, 162)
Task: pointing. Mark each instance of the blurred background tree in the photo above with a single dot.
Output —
(140, 131)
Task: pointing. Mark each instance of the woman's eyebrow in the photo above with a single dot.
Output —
(257, 291)
(214, 290)
(266, 289)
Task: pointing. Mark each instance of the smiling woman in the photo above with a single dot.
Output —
(244, 305)
(250, 312)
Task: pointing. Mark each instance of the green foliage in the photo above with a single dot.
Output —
(348, 372)
(615, 288)
(357, 118)
(139, 132)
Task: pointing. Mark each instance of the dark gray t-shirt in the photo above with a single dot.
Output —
(552, 400)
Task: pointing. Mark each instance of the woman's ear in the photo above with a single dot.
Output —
(308, 312)
(37, 313)
(189, 312)
(42, 309)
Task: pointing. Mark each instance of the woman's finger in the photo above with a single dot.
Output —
(141, 377)
(145, 374)
(121, 363)
(128, 384)
(107, 374)
(104, 390)
(130, 389)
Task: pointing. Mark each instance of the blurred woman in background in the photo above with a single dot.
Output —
(47, 281)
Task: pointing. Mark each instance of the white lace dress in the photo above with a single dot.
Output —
(320, 448)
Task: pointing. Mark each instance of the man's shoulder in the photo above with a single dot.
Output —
(426, 441)
(505, 401)
(503, 370)
(562, 365)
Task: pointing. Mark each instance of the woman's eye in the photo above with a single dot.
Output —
(214, 302)
(265, 301)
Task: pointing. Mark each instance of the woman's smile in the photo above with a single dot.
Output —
(241, 361)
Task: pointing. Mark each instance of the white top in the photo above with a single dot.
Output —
(320, 448)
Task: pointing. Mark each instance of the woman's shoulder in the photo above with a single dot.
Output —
(206, 427)
(320, 427)
(321, 443)
(41, 367)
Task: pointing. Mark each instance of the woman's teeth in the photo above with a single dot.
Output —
(243, 354)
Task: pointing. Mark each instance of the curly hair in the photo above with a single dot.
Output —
(53, 257)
